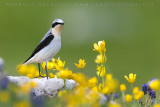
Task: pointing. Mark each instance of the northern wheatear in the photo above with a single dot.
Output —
(48, 46)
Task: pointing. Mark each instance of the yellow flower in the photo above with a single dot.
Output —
(139, 95)
(111, 83)
(93, 82)
(31, 76)
(123, 87)
(61, 92)
(100, 59)
(4, 96)
(44, 75)
(31, 69)
(128, 98)
(52, 76)
(109, 77)
(28, 70)
(81, 64)
(32, 84)
(25, 88)
(95, 89)
(36, 74)
(131, 79)
(99, 68)
(156, 105)
(22, 69)
(154, 85)
(80, 78)
(135, 90)
(65, 74)
(39, 77)
(79, 97)
(59, 65)
(106, 90)
(100, 47)
(94, 95)
(114, 104)
(100, 86)
(96, 104)
(22, 104)
(101, 71)
(50, 65)
(55, 61)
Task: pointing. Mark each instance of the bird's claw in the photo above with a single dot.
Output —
(40, 76)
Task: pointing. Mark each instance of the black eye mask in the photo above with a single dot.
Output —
(56, 23)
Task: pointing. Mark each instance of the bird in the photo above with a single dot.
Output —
(48, 47)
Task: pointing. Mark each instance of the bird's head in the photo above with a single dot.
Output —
(57, 26)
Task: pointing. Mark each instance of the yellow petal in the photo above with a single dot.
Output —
(95, 46)
(126, 78)
(80, 61)
(99, 43)
(131, 76)
(134, 76)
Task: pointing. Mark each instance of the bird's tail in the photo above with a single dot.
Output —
(26, 62)
(29, 60)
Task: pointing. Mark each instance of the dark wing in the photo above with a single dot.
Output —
(42, 44)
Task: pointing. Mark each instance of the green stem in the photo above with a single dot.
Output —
(98, 79)
(156, 100)
(103, 81)
(64, 82)
(132, 89)
(123, 99)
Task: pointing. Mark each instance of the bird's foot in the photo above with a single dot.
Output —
(40, 76)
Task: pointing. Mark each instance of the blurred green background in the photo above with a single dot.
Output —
(131, 29)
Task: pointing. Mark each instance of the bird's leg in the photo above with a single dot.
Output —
(39, 69)
(46, 69)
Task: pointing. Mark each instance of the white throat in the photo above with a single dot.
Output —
(57, 30)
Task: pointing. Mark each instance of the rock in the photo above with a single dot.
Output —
(70, 84)
(18, 80)
(48, 87)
